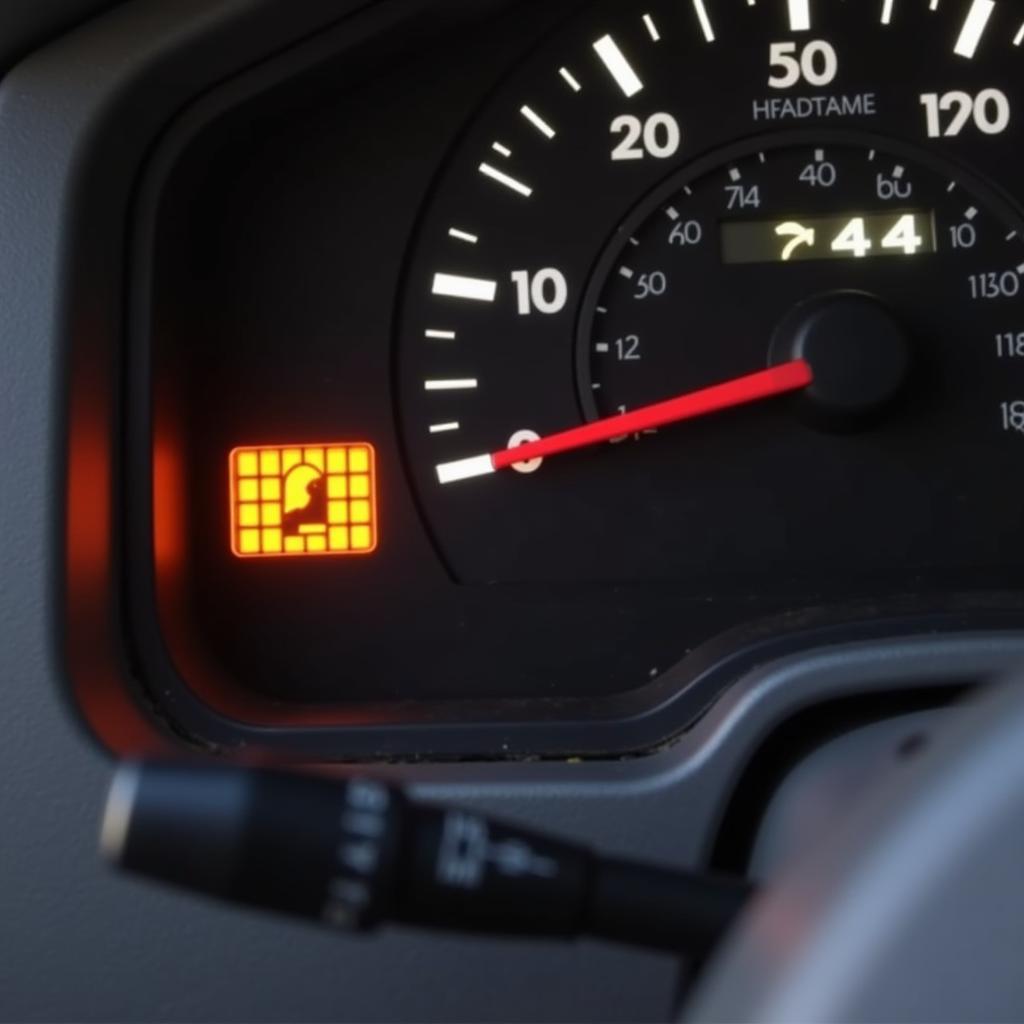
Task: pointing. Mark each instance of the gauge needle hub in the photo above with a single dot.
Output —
(777, 380)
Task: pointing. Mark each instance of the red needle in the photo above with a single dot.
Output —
(778, 380)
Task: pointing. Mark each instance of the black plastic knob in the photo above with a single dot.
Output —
(860, 354)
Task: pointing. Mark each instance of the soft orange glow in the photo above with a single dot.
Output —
(303, 501)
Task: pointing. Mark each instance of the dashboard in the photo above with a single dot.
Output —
(602, 415)
(515, 388)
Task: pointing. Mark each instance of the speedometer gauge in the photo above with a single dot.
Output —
(728, 290)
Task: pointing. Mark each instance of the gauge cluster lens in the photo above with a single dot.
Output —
(671, 199)
(637, 328)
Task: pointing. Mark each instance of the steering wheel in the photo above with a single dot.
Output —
(913, 910)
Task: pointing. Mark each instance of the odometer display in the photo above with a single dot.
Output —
(831, 237)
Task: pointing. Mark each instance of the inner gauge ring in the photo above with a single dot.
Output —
(999, 201)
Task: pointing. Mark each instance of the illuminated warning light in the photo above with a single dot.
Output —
(306, 501)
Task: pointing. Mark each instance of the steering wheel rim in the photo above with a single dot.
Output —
(912, 909)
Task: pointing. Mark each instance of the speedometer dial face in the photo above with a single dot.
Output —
(730, 291)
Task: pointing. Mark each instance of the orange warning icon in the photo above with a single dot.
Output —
(303, 501)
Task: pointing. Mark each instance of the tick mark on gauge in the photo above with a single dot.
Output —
(465, 469)
(705, 21)
(456, 384)
(444, 428)
(974, 28)
(435, 335)
(652, 28)
(538, 122)
(463, 236)
(898, 172)
(672, 213)
(570, 79)
(455, 286)
(620, 69)
(1011, 236)
(626, 273)
(501, 149)
(971, 213)
(505, 179)
(887, 12)
(734, 174)
(1019, 37)
(799, 15)
(602, 347)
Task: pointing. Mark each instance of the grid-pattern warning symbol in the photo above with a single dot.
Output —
(313, 500)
